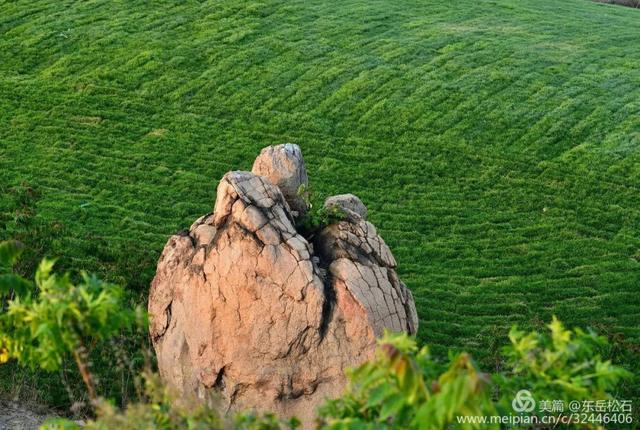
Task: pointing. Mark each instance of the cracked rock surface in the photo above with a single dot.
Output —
(241, 304)
(283, 166)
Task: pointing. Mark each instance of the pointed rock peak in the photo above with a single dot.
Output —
(283, 166)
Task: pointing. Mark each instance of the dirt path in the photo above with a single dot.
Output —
(16, 417)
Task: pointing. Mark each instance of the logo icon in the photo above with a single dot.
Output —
(523, 401)
(575, 406)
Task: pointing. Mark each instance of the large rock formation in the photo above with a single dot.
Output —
(243, 305)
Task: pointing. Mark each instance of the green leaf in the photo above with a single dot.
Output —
(392, 406)
(378, 394)
(44, 272)
(14, 283)
(10, 251)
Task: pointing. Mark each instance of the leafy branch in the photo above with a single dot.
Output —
(52, 318)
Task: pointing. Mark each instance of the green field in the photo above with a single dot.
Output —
(495, 143)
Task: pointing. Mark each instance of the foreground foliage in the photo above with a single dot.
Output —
(565, 365)
(55, 317)
(162, 409)
(402, 387)
(42, 323)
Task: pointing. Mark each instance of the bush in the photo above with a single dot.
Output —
(42, 323)
(565, 365)
(162, 409)
(402, 387)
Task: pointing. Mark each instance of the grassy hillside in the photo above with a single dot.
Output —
(496, 143)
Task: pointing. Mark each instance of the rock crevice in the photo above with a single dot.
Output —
(244, 305)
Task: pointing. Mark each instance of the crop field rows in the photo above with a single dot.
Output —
(495, 143)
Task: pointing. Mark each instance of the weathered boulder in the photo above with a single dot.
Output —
(348, 204)
(361, 263)
(241, 304)
(283, 166)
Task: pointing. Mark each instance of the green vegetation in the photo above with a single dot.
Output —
(55, 318)
(162, 409)
(495, 143)
(405, 388)
(402, 387)
(41, 324)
